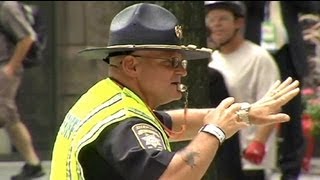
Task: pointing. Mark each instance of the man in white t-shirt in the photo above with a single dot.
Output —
(249, 71)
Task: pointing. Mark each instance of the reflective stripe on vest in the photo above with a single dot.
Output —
(104, 104)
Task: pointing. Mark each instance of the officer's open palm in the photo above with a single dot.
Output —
(265, 111)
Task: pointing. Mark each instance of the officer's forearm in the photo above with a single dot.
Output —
(193, 161)
(193, 121)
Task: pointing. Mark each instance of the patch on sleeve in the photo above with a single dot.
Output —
(148, 136)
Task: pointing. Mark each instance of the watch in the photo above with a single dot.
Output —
(243, 113)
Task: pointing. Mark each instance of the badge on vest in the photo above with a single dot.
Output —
(148, 136)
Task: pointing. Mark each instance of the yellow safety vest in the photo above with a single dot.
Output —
(104, 104)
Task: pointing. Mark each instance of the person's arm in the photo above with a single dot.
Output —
(137, 142)
(255, 151)
(15, 23)
(193, 119)
(18, 56)
(264, 133)
(143, 146)
(193, 161)
(176, 130)
(263, 112)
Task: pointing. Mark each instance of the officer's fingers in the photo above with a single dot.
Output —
(283, 88)
(285, 83)
(286, 89)
(285, 98)
(232, 109)
(273, 88)
(278, 86)
(293, 85)
(224, 110)
(270, 119)
(224, 104)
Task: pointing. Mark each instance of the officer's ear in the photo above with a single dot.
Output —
(128, 65)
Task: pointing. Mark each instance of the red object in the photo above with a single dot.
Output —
(307, 125)
(255, 152)
(308, 91)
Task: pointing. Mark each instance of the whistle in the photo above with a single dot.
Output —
(182, 88)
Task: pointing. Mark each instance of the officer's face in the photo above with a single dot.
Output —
(159, 74)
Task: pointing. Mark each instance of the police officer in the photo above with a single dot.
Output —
(114, 131)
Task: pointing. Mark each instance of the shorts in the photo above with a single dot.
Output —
(8, 91)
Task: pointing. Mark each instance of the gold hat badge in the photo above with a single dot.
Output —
(178, 30)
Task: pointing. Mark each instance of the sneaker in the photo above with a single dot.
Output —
(28, 172)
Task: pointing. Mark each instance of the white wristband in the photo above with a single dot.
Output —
(215, 131)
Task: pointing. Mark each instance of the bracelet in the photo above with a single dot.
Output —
(215, 131)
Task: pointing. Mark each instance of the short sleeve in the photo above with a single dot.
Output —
(164, 118)
(135, 149)
(14, 21)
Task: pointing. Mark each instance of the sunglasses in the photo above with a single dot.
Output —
(175, 62)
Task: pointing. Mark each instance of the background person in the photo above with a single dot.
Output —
(249, 71)
(16, 37)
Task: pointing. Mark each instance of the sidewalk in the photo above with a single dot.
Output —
(7, 169)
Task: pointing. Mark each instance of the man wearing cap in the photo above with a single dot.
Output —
(249, 71)
(114, 131)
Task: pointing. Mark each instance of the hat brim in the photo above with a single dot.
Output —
(190, 52)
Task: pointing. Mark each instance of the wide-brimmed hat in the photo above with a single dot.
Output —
(144, 26)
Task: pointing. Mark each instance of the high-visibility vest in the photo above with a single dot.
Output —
(104, 104)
